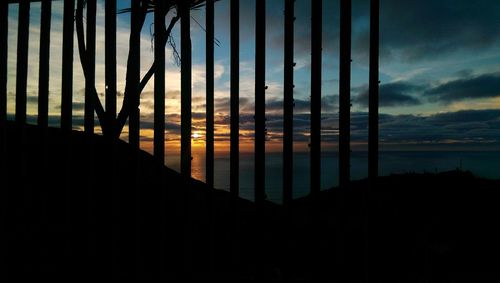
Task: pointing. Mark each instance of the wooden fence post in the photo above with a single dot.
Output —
(43, 77)
(316, 80)
(22, 60)
(209, 166)
(345, 93)
(67, 65)
(110, 60)
(235, 100)
(185, 89)
(159, 79)
(134, 73)
(4, 28)
(288, 104)
(90, 59)
(373, 130)
(260, 100)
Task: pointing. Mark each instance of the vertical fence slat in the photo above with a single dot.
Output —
(4, 15)
(373, 130)
(89, 128)
(22, 60)
(316, 80)
(185, 91)
(209, 161)
(159, 92)
(235, 88)
(209, 166)
(110, 99)
(4, 247)
(67, 66)
(66, 111)
(134, 74)
(288, 104)
(43, 77)
(344, 91)
(90, 59)
(110, 58)
(260, 100)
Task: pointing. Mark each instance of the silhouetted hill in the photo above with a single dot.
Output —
(408, 227)
(76, 206)
(68, 213)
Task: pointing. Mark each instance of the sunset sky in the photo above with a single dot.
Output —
(440, 74)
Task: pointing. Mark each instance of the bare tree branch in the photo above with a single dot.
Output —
(125, 111)
(111, 125)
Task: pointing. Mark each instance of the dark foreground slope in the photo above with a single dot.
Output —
(76, 207)
(409, 227)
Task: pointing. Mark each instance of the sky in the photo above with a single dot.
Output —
(439, 73)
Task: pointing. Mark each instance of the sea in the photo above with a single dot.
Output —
(485, 164)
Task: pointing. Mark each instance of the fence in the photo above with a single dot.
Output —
(133, 75)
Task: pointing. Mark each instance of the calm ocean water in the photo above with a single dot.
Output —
(483, 164)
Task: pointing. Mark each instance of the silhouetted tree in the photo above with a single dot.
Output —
(112, 126)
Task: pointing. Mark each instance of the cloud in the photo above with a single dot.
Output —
(422, 30)
(223, 104)
(302, 27)
(426, 29)
(330, 103)
(467, 87)
(460, 127)
(394, 94)
(77, 106)
(410, 30)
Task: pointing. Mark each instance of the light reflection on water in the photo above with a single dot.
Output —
(172, 160)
